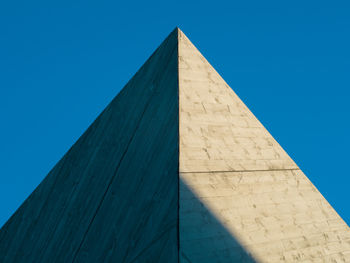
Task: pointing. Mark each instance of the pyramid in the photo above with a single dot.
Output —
(175, 169)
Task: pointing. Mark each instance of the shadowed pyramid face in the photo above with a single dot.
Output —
(175, 169)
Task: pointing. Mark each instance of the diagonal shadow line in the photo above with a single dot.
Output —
(203, 236)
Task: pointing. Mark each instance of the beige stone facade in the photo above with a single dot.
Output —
(242, 198)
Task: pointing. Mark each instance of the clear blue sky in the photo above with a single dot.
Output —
(61, 62)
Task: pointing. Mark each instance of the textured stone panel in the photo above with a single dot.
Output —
(217, 131)
(117, 174)
(242, 198)
(276, 216)
(138, 217)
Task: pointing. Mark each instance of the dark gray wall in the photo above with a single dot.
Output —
(114, 196)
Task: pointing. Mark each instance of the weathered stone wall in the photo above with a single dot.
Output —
(114, 196)
(242, 198)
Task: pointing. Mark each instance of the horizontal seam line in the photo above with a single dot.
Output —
(242, 171)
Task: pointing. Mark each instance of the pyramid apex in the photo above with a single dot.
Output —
(177, 30)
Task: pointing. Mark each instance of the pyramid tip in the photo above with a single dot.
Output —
(177, 29)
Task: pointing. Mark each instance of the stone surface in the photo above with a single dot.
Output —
(217, 131)
(242, 198)
(113, 197)
(176, 169)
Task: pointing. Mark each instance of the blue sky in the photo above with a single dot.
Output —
(61, 62)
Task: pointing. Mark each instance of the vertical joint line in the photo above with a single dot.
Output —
(178, 146)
